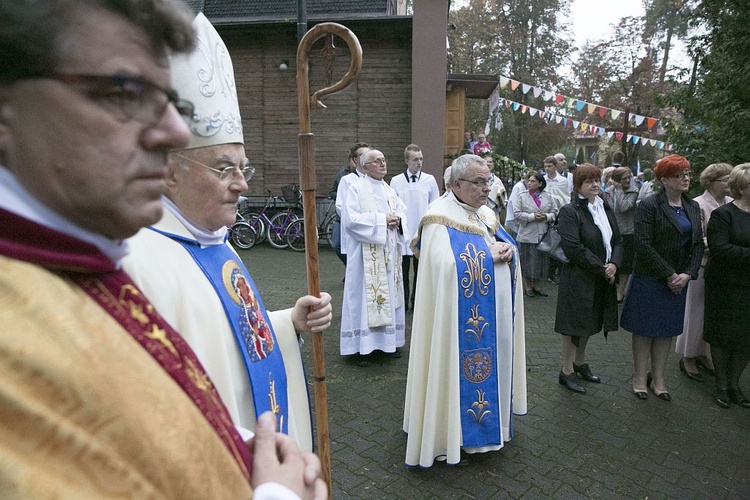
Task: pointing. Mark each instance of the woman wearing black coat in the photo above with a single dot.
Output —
(587, 296)
(668, 253)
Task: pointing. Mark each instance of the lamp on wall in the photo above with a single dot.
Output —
(284, 65)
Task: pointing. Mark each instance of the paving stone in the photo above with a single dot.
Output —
(604, 444)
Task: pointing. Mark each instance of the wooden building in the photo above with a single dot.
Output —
(399, 98)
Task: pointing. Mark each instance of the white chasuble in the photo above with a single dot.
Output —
(175, 284)
(432, 412)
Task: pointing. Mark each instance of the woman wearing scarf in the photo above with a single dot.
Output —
(668, 253)
(534, 210)
(587, 297)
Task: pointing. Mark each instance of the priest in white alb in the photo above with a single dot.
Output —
(466, 374)
(185, 265)
(372, 315)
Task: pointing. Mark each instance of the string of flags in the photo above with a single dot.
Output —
(496, 100)
(560, 99)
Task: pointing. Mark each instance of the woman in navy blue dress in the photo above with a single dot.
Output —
(669, 248)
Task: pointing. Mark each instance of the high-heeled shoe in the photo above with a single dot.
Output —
(585, 372)
(571, 382)
(697, 376)
(664, 396)
(736, 396)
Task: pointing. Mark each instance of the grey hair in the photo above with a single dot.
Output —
(461, 164)
(33, 32)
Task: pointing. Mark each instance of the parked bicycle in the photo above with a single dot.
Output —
(273, 228)
(295, 233)
(243, 235)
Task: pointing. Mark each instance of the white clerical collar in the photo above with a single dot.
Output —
(463, 205)
(14, 197)
(204, 237)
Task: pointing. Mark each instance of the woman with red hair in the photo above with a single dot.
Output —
(669, 248)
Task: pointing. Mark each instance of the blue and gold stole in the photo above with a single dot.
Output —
(252, 328)
(477, 340)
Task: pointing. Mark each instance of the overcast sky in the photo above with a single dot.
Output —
(593, 19)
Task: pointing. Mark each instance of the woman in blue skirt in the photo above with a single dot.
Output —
(669, 248)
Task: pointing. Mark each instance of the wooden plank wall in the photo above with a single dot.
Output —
(376, 110)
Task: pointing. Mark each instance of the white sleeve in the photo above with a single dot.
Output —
(274, 491)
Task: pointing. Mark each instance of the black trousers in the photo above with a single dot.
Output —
(406, 261)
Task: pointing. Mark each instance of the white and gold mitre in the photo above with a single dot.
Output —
(205, 77)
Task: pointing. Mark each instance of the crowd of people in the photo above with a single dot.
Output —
(133, 339)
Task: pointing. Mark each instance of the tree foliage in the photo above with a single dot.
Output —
(714, 120)
(525, 40)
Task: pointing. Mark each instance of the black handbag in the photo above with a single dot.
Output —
(550, 245)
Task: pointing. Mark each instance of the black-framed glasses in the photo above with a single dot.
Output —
(682, 176)
(225, 174)
(129, 97)
(379, 161)
(480, 182)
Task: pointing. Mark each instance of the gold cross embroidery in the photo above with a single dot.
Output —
(160, 335)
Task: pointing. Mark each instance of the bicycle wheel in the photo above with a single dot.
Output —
(277, 226)
(327, 231)
(295, 235)
(257, 222)
(243, 235)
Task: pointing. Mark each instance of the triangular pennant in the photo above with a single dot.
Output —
(576, 123)
(524, 108)
(639, 119)
(504, 81)
(579, 105)
(548, 95)
(559, 98)
(525, 87)
(659, 144)
(558, 118)
(590, 107)
(618, 135)
(565, 122)
(514, 84)
(532, 111)
(651, 122)
(601, 132)
(644, 141)
(569, 101)
(615, 113)
(633, 139)
(584, 127)
(652, 142)
(602, 111)
(516, 106)
(610, 134)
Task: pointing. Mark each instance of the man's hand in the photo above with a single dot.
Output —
(277, 459)
(392, 221)
(315, 320)
(501, 252)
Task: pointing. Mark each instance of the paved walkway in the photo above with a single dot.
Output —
(605, 444)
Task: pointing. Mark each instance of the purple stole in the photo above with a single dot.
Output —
(84, 265)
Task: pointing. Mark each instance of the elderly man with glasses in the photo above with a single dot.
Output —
(101, 397)
(196, 280)
(374, 218)
(467, 371)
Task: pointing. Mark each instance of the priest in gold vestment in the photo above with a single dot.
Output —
(101, 397)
